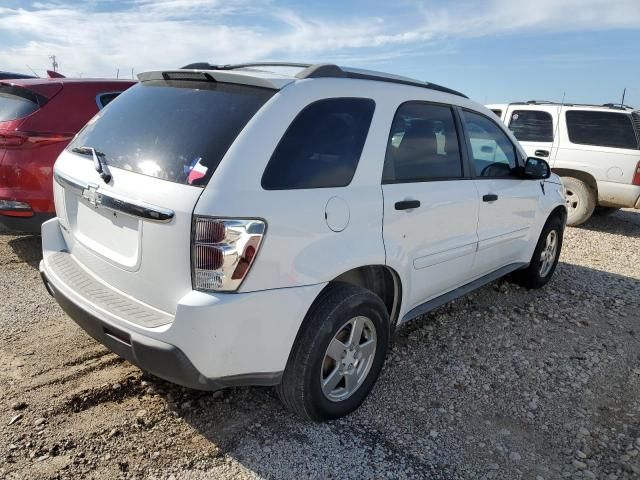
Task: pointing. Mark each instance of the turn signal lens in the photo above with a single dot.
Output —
(223, 251)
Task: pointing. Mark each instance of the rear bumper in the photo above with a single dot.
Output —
(213, 341)
(26, 224)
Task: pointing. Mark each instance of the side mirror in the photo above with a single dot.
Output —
(537, 168)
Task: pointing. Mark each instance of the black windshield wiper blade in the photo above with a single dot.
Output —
(100, 165)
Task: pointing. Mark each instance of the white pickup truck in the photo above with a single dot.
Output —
(594, 148)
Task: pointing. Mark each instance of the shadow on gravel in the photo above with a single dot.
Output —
(406, 419)
(623, 222)
(27, 248)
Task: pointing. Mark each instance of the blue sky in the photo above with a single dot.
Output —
(492, 50)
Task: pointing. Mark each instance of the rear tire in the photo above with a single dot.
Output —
(329, 372)
(545, 256)
(581, 201)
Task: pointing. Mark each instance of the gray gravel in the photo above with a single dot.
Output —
(503, 384)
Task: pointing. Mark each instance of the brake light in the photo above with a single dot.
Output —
(223, 251)
(636, 176)
(25, 139)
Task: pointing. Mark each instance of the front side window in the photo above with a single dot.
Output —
(322, 146)
(493, 153)
(423, 145)
(603, 129)
(532, 126)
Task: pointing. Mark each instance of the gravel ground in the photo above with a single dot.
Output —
(503, 384)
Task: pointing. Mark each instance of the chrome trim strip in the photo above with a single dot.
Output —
(114, 201)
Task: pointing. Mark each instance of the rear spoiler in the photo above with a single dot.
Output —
(255, 79)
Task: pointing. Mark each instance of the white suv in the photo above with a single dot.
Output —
(594, 148)
(241, 225)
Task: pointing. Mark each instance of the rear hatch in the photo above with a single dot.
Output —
(160, 142)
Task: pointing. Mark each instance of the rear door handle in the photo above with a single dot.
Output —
(489, 197)
(541, 153)
(407, 204)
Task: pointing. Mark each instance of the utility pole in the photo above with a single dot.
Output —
(54, 63)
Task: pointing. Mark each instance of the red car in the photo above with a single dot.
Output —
(38, 118)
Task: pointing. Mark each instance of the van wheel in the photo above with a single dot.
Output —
(581, 201)
(605, 211)
(338, 354)
(545, 256)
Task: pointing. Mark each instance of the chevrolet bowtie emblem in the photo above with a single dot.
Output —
(91, 194)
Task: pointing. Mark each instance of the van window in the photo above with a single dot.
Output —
(532, 126)
(493, 153)
(423, 145)
(175, 130)
(322, 146)
(603, 129)
(16, 102)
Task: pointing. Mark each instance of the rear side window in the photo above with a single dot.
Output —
(105, 99)
(175, 130)
(532, 126)
(603, 129)
(423, 145)
(322, 146)
(16, 103)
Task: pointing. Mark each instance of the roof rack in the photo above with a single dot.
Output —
(616, 106)
(327, 70)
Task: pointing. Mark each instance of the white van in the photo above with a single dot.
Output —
(236, 225)
(594, 148)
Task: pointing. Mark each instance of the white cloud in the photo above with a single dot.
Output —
(147, 34)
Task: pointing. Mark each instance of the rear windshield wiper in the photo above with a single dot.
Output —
(99, 165)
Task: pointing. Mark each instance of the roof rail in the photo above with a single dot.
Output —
(328, 70)
(615, 106)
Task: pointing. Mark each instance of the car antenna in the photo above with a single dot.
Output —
(32, 70)
(557, 132)
(624, 92)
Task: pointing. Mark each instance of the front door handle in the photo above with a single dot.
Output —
(407, 204)
(489, 197)
(541, 153)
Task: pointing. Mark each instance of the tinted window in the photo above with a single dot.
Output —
(174, 130)
(15, 103)
(604, 129)
(423, 144)
(532, 126)
(498, 113)
(105, 98)
(322, 146)
(493, 153)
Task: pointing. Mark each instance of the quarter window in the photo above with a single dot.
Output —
(423, 145)
(105, 98)
(498, 113)
(493, 153)
(604, 129)
(322, 146)
(532, 126)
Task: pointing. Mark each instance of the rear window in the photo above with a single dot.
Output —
(322, 146)
(16, 102)
(173, 130)
(603, 129)
(532, 126)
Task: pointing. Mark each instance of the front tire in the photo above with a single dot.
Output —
(581, 201)
(545, 256)
(338, 354)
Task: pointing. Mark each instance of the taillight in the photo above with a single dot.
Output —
(636, 176)
(25, 139)
(12, 208)
(223, 251)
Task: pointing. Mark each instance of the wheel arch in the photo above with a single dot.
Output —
(580, 175)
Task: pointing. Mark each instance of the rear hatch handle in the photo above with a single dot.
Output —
(113, 201)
